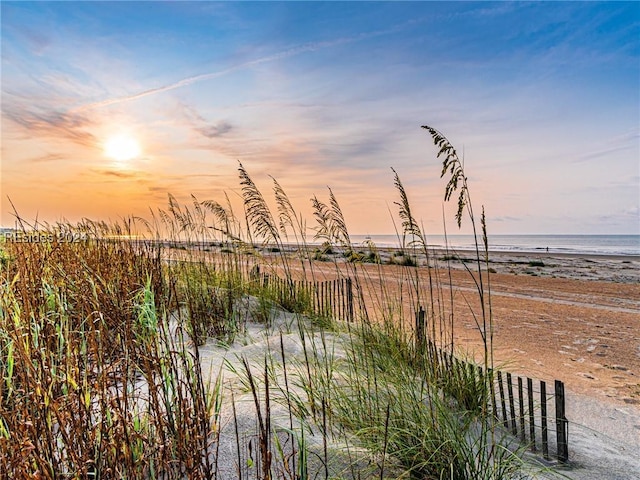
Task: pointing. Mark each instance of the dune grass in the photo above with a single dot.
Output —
(100, 348)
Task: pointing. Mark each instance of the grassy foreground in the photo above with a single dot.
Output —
(102, 340)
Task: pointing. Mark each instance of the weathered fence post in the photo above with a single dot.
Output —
(338, 297)
(505, 420)
(543, 411)
(350, 299)
(532, 419)
(561, 423)
(330, 284)
(323, 296)
(494, 404)
(343, 310)
(420, 316)
(523, 435)
(512, 408)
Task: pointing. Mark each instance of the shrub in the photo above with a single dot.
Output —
(404, 260)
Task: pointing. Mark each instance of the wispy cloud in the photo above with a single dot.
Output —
(49, 157)
(283, 54)
(217, 130)
(298, 93)
(118, 173)
(627, 220)
(53, 124)
(626, 141)
(203, 127)
(505, 218)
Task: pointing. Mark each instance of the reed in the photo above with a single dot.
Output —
(103, 340)
(103, 389)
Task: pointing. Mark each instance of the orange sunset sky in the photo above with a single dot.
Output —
(109, 106)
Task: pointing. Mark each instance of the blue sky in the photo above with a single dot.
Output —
(542, 99)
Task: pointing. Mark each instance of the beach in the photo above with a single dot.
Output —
(568, 317)
(572, 318)
(575, 318)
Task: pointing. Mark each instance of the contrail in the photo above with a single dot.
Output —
(309, 47)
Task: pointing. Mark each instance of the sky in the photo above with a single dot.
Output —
(109, 107)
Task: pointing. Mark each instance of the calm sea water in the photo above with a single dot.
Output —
(585, 244)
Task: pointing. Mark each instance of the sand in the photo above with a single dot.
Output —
(599, 433)
(566, 317)
(574, 318)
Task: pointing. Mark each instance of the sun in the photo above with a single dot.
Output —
(122, 148)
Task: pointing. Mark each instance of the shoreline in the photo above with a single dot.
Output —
(577, 266)
(498, 254)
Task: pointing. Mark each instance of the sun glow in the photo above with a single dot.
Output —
(122, 148)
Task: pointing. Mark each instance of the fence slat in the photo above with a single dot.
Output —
(523, 434)
(350, 298)
(330, 285)
(543, 409)
(512, 408)
(341, 299)
(502, 400)
(561, 422)
(532, 419)
(420, 327)
(494, 405)
(337, 298)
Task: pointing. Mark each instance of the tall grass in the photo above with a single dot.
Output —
(387, 394)
(101, 361)
(102, 389)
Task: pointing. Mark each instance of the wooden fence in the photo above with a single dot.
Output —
(532, 412)
(527, 408)
(331, 298)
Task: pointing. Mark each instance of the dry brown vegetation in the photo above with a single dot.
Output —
(100, 350)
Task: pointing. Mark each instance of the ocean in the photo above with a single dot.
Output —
(575, 244)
